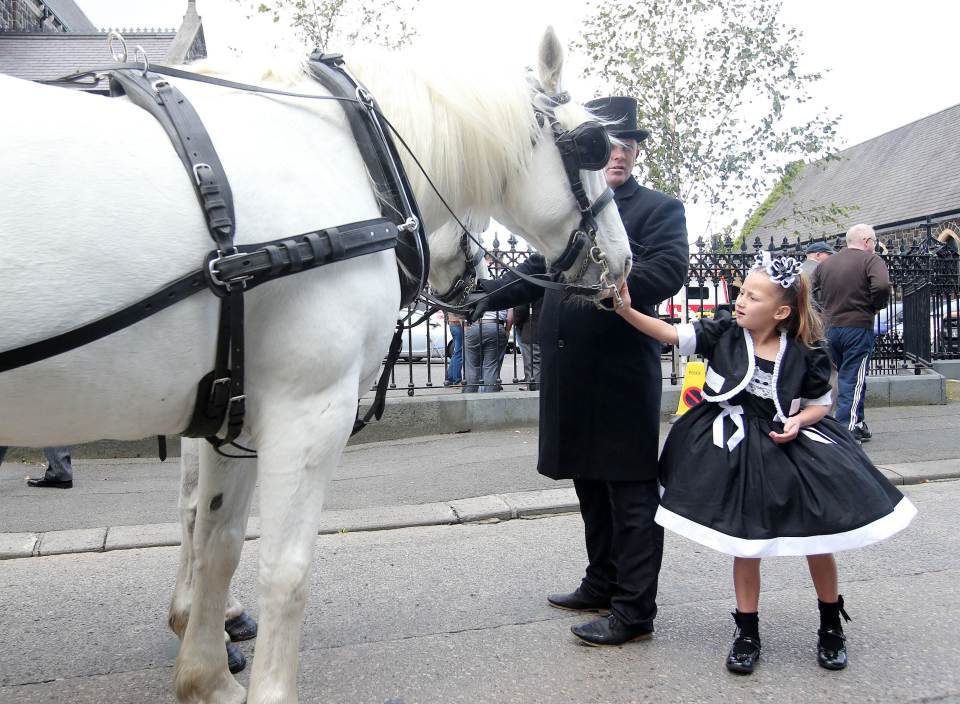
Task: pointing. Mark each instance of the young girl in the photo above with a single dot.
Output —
(759, 469)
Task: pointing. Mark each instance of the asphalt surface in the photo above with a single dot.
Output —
(457, 614)
(403, 472)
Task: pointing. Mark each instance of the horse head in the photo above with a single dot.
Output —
(497, 143)
(560, 201)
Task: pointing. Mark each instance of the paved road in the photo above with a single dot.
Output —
(412, 471)
(457, 614)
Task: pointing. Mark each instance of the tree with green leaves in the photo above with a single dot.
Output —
(327, 24)
(715, 81)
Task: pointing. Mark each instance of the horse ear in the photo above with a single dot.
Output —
(551, 62)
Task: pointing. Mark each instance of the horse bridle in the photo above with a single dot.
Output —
(583, 148)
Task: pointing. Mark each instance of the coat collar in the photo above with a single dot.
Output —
(627, 189)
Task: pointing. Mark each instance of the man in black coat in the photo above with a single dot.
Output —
(600, 400)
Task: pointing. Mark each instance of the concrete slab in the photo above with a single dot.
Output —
(877, 392)
(62, 542)
(146, 536)
(386, 518)
(916, 389)
(917, 472)
(950, 368)
(481, 508)
(538, 503)
(16, 545)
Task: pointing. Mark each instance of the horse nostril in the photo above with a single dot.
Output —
(626, 266)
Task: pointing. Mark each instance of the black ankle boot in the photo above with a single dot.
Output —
(745, 650)
(831, 642)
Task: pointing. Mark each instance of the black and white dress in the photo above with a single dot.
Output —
(727, 485)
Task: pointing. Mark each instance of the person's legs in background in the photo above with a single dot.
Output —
(455, 364)
(59, 474)
(534, 376)
(493, 341)
(472, 357)
(851, 349)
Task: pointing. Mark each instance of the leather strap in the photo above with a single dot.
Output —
(192, 143)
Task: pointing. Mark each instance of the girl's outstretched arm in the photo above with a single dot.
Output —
(648, 325)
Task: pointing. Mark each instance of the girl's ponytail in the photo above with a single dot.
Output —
(804, 322)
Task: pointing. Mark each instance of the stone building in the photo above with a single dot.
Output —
(905, 182)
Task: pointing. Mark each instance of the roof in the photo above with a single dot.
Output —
(38, 56)
(907, 173)
(72, 16)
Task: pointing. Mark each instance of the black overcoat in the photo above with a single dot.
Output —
(600, 378)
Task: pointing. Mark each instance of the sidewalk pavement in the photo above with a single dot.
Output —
(434, 480)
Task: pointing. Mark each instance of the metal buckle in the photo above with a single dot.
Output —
(218, 382)
(196, 167)
(215, 277)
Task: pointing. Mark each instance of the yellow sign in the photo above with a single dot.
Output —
(692, 392)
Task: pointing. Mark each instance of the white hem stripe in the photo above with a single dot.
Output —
(857, 393)
(874, 532)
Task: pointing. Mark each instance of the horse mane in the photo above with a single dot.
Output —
(468, 119)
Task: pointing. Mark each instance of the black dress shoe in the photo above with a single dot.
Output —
(743, 655)
(609, 630)
(235, 659)
(578, 601)
(831, 649)
(51, 483)
(240, 627)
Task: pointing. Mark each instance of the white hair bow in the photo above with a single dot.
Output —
(782, 270)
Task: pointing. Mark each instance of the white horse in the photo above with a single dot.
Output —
(97, 212)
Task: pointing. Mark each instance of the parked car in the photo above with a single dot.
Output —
(415, 344)
(947, 326)
(884, 322)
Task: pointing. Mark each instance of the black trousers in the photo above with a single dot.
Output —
(624, 546)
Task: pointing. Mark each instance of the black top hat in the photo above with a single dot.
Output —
(622, 111)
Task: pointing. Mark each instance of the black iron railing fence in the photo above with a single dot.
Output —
(920, 324)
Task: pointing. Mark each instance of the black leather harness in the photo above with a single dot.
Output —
(230, 270)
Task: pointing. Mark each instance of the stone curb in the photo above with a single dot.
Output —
(478, 509)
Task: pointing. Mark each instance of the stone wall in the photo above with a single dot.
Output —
(27, 16)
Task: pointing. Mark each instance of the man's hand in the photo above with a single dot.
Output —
(791, 428)
(475, 306)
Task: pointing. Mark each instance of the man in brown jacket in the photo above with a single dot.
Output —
(851, 287)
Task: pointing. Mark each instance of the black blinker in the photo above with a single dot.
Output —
(590, 143)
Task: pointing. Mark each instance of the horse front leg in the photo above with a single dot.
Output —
(297, 459)
(221, 507)
(237, 623)
(179, 614)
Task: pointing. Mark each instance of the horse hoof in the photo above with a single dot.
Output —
(235, 659)
(241, 627)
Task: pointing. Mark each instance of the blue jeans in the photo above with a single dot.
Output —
(851, 349)
(58, 463)
(455, 365)
(485, 344)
